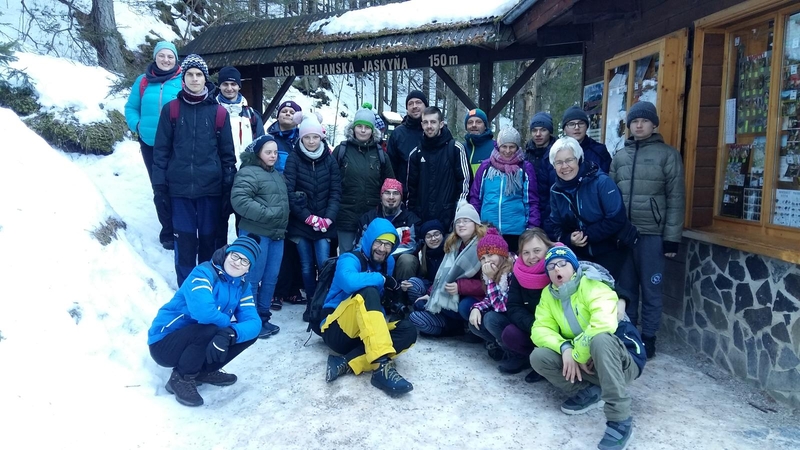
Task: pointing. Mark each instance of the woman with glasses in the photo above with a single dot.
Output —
(458, 284)
(193, 333)
(431, 254)
(586, 208)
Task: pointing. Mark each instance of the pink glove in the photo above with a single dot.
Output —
(324, 224)
(314, 222)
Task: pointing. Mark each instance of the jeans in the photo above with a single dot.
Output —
(195, 225)
(265, 270)
(311, 253)
(491, 328)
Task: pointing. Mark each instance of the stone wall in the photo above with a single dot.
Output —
(743, 312)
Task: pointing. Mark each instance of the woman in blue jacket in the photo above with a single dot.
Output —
(159, 84)
(193, 333)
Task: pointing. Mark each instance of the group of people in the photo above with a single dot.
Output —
(538, 251)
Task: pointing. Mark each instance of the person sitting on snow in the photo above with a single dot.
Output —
(193, 333)
(355, 323)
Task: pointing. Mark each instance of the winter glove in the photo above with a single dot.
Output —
(227, 186)
(314, 221)
(161, 195)
(217, 350)
(670, 247)
(390, 283)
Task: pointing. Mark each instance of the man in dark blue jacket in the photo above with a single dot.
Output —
(285, 132)
(478, 142)
(406, 137)
(537, 152)
(193, 164)
(575, 124)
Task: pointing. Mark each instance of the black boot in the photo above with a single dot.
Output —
(386, 378)
(218, 378)
(337, 366)
(184, 388)
(649, 346)
(533, 377)
(513, 363)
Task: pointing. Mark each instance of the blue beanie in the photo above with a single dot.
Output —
(477, 112)
(229, 73)
(642, 110)
(165, 45)
(561, 252)
(431, 225)
(574, 113)
(543, 120)
(247, 246)
(255, 146)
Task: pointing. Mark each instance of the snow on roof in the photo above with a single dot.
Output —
(411, 14)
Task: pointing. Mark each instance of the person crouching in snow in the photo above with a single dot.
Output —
(355, 323)
(488, 318)
(193, 333)
(579, 350)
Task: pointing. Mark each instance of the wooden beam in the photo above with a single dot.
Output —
(451, 83)
(257, 93)
(564, 34)
(514, 88)
(485, 84)
(287, 83)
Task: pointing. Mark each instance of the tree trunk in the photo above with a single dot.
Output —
(393, 104)
(105, 37)
(426, 84)
(381, 91)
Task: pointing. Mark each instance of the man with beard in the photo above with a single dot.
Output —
(438, 174)
(537, 152)
(478, 140)
(407, 136)
(355, 325)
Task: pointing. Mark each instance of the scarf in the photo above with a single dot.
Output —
(531, 277)
(155, 75)
(194, 99)
(455, 266)
(315, 155)
(564, 295)
(511, 168)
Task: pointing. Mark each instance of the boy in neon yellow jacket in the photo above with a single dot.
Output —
(577, 349)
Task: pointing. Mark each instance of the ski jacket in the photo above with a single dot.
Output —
(479, 148)
(649, 174)
(259, 196)
(315, 188)
(510, 212)
(143, 109)
(246, 123)
(209, 296)
(403, 140)
(286, 141)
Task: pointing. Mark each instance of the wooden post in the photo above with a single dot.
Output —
(447, 80)
(287, 83)
(514, 88)
(485, 85)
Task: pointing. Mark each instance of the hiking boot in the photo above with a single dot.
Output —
(533, 377)
(618, 435)
(585, 400)
(268, 329)
(495, 352)
(184, 388)
(513, 363)
(218, 378)
(168, 245)
(337, 366)
(386, 378)
(277, 304)
(649, 346)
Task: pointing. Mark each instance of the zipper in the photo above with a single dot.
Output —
(500, 206)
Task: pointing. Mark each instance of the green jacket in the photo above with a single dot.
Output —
(594, 304)
(649, 174)
(259, 196)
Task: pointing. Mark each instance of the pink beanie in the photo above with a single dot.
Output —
(492, 244)
(310, 123)
(391, 183)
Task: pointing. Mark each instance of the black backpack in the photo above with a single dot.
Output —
(313, 314)
(340, 151)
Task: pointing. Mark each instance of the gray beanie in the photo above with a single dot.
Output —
(642, 110)
(466, 211)
(574, 113)
(508, 135)
(365, 116)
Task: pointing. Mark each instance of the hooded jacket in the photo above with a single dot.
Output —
(512, 213)
(403, 140)
(246, 123)
(142, 111)
(315, 188)
(479, 148)
(286, 141)
(209, 296)
(362, 177)
(649, 174)
(438, 178)
(259, 196)
(349, 278)
(545, 178)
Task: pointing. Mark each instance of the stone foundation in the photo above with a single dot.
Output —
(743, 312)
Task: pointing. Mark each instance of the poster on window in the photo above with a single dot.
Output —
(617, 110)
(733, 193)
(593, 105)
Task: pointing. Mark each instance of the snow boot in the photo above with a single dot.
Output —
(386, 378)
(585, 400)
(513, 363)
(649, 346)
(494, 350)
(277, 304)
(533, 377)
(184, 388)
(337, 366)
(218, 378)
(268, 329)
(618, 435)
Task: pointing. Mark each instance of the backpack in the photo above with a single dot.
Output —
(219, 121)
(343, 146)
(313, 314)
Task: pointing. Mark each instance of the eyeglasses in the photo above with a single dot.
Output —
(240, 259)
(434, 235)
(382, 243)
(575, 124)
(559, 163)
(462, 221)
(560, 263)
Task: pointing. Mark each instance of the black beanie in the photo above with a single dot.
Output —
(543, 120)
(574, 113)
(418, 95)
(229, 73)
(642, 110)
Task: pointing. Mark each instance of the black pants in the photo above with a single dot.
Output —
(163, 206)
(403, 336)
(290, 279)
(185, 350)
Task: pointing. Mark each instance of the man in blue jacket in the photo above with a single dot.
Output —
(355, 323)
(478, 142)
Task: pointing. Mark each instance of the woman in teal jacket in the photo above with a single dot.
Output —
(194, 334)
(159, 84)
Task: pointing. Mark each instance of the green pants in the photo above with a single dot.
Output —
(613, 371)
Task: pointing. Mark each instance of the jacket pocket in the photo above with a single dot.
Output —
(655, 211)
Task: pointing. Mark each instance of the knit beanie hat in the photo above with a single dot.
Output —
(391, 237)
(165, 45)
(431, 225)
(290, 104)
(492, 244)
(229, 73)
(258, 144)
(574, 113)
(247, 246)
(196, 62)
(543, 120)
(391, 183)
(642, 110)
(508, 135)
(365, 116)
(418, 95)
(466, 211)
(561, 252)
(477, 112)
(310, 123)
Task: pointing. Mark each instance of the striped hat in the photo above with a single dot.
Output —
(247, 246)
(196, 62)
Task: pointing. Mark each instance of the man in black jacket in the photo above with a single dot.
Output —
(406, 136)
(438, 174)
(193, 165)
